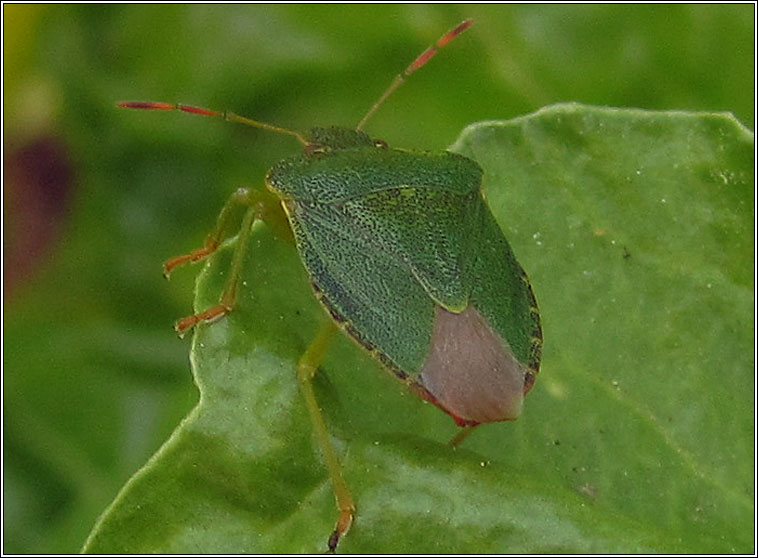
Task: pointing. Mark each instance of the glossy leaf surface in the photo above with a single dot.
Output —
(636, 230)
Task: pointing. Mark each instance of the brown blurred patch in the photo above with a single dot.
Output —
(38, 181)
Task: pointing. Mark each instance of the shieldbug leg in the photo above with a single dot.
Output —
(262, 205)
(462, 434)
(229, 294)
(306, 370)
(214, 238)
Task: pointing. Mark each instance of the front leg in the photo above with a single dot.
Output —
(261, 206)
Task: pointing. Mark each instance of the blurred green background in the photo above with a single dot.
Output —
(95, 198)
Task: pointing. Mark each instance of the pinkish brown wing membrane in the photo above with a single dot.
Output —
(470, 371)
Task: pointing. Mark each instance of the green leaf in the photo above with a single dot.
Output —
(636, 230)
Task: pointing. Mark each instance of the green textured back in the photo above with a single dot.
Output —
(342, 174)
(365, 288)
(388, 235)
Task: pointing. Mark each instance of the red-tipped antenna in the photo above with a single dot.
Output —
(226, 115)
(420, 61)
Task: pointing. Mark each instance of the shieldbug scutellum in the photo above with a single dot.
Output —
(405, 256)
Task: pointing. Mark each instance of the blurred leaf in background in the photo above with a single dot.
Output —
(95, 198)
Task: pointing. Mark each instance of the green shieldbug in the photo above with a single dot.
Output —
(405, 256)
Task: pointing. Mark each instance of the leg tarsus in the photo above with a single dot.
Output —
(344, 521)
(183, 325)
(211, 245)
(241, 196)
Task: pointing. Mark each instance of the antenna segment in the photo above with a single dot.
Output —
(420, 61)
(226, 115)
